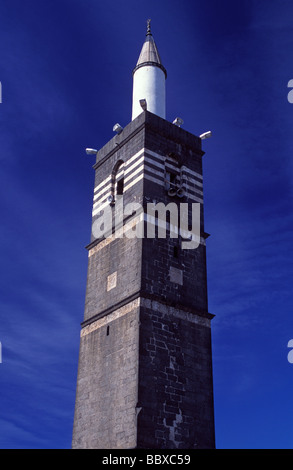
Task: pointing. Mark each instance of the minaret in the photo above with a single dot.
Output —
(149, 78)
(145, 359)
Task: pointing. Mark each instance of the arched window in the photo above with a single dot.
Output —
(174, 177)
(117, 186)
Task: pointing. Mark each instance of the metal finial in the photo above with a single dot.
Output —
(149, 27)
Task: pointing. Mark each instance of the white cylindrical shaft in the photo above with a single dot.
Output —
(149, 84)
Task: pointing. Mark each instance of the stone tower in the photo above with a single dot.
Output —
(145, 361)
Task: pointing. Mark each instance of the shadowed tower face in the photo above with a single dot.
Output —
(145, 361)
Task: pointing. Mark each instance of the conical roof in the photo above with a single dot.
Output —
(149, 54)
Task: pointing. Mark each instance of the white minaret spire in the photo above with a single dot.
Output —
(149, 78)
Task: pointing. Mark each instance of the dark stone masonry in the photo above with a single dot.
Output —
(145, 362)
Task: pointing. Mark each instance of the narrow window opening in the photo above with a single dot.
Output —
(173, 178)
(175, 252)
(170, 180)
(108, 330)
(120, 187)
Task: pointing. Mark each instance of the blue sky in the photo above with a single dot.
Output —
(65, 69)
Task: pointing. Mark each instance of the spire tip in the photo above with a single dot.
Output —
(149, 26)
